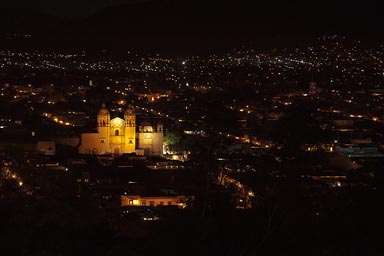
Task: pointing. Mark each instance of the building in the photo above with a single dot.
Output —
(46, 147)
(121, 135)
(137, 200)
(150, 138)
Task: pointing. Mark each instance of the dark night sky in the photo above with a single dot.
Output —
(65, 7)
(344, 8)
(321, 14)
(187, 21)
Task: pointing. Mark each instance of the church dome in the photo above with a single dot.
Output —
(103, 110)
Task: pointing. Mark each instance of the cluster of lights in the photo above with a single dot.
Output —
(9, 175)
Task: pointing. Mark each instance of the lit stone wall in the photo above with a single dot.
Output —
(152, 143)
(90, 143)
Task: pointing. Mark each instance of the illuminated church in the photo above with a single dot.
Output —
(119, 136)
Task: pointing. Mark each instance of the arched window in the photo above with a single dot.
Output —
(103, 122)
(116, 132)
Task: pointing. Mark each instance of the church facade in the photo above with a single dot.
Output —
(121, 135)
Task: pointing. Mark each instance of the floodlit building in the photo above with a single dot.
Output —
(137, 200)
(119, 136)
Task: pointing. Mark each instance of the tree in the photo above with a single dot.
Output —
(171, 139)
(298, 127)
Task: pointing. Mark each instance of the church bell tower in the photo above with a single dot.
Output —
(130, 130)
(103, 128)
